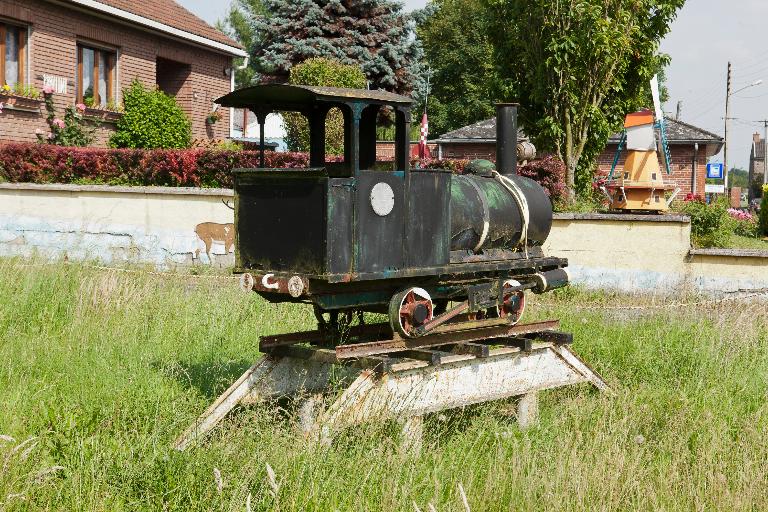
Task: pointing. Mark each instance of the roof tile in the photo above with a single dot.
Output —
(481, 131)
(171, 13)
(677, 131)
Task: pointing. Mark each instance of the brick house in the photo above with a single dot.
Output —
(88, 51)
(690, 147)
(756, 167)
(471, 142)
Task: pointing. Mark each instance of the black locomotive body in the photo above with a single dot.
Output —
(362, 235)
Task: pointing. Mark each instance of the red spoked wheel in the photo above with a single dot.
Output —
(514, 302)
(410, 309)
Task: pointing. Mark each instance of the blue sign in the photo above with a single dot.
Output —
(715, 171)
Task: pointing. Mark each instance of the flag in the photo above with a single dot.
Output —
(423, 149)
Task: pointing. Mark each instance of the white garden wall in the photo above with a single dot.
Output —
(171, 226)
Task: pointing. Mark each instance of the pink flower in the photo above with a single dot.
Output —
(50, 136)
(740, 214)
(38, 131)
(47, 89)
(59, 123)
(80, 107)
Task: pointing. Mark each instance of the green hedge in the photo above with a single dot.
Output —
(152, 120)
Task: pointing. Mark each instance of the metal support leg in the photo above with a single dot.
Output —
(528, 410)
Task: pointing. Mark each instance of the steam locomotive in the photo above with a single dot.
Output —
(366, 236)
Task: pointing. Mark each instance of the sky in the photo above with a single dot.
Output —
(706, 35)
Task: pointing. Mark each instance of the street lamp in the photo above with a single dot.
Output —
(727, 118)
(756, 82)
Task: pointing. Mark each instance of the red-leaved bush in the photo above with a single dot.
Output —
(42, 163)
(456, 166)
(549, 172)
(38, 163)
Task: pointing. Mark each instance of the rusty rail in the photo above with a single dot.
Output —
(367, 331)
(445, 335)
(371, 332)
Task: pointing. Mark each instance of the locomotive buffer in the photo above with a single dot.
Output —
(362, 236)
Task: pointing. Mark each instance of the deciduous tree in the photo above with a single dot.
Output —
(328, 73)
(464, 83)
(239, 26)
(578, 67)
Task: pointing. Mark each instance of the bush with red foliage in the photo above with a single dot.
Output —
(689, 197)
(549, 172)
(38, 163)
(42, 163)
(456, 166)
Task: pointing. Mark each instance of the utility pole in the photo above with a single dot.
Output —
(727, 119)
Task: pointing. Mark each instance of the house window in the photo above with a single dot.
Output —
(95, 76)
(13, 52)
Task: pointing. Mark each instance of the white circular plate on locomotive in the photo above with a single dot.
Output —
(382, 199)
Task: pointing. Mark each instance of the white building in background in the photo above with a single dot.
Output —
(245, 127)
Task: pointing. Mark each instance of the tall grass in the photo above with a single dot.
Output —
(101, 370)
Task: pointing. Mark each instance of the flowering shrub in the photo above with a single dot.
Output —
(740, 214)
(70, 131)
(746, 223)
(693, 197)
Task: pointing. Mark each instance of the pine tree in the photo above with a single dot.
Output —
(373, 34)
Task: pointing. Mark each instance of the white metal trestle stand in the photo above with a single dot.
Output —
(404, 379)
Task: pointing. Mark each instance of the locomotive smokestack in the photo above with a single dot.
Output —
(506, 138)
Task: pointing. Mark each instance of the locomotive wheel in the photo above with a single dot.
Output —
(514, 303)
(410, 309)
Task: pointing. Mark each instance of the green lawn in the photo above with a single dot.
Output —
(743, 242)
(100, 371)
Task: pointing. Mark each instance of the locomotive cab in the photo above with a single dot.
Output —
(352, 236)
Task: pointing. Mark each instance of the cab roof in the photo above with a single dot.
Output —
(299, 97)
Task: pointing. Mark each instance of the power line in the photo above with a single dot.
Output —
(756, 62)
(753, 97)
(706, 111)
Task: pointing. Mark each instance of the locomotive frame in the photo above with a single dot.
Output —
(350, 237)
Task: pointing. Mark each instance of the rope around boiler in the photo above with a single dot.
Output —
(522, 205)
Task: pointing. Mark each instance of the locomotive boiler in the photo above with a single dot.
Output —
(365, 236)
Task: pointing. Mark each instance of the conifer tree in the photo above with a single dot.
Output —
(373, 34)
